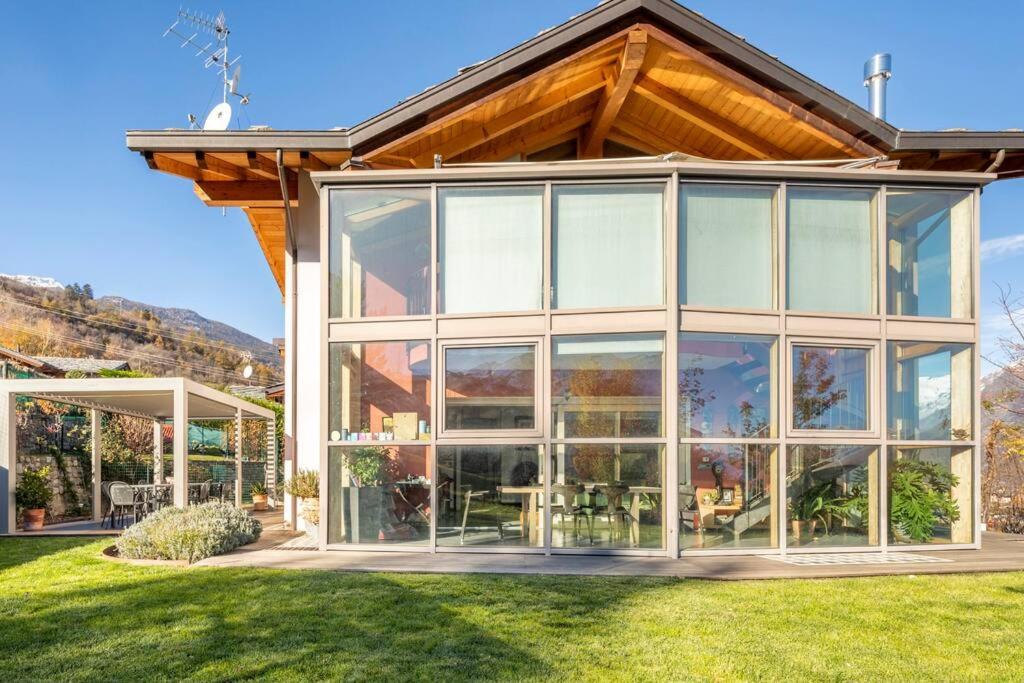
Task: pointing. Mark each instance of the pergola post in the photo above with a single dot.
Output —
(238, 457)
(270, 470)
(158, 452)
(97, 465)
(180, 446)
(8, 459)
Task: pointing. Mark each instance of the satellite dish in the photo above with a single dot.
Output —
(235, 78)
(247, 372)
(219, 117)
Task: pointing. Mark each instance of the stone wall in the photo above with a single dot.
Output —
(78, 476)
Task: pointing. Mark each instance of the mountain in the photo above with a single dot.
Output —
(40, 316)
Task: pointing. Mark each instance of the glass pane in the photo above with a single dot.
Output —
(930, 495)
(726, 385)
(379, 391)
(608, 246)
(607, 385)
(929, 252)
(829, 247)
(930, 391)
(725, 246)
(491, 243)
(608, 496)
(379, 495)
(489, 387)
(380, 253)
(490, 496)
(832, 496)
(830, 388)
(727, 496)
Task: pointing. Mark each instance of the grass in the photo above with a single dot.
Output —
(65, 614)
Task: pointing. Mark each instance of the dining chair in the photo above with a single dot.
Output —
(123, 497)
(575, 504)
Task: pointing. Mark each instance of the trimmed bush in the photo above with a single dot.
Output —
(189, 534)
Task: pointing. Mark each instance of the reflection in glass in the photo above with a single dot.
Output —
(930, 495)
(929, 252)
(829, 247)
(379, 391)
(490, 496)
(490, 242)
(379, 252)
(608, 496)
(489, 387)
(725, 245)
(379, 495)
(930, 391)
(726, 496)
(832, 496)
(607, 385)
(725, 385)
(830, 388)
(608, 242)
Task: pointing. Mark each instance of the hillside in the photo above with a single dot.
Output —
(40, 316)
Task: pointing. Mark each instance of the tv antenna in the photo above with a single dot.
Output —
(214, 54)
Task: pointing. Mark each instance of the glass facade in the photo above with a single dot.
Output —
(563, 414)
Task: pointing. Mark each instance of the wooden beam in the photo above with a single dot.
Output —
(611, 102)
(392, 161)
(218, 167)
(248, 193)
(572, 91)
(262, 166)
(310, 162)
(823, 130)
(709, 121)
(553, 134)
(640, 131)
(172, 166)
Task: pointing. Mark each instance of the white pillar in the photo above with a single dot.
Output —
(8, 460)
(290, 332)
(270, 471)
(97, 465)
(180, 447)
(238, 457)
(158, 452)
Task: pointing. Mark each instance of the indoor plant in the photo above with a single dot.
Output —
(920, 500)
(259, 496)
(32, 495)
(809, 507)
(306, 487)
(369, 468)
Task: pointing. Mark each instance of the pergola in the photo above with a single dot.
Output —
(158, 399)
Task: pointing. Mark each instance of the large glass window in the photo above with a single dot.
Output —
(727, 496)
(930, 391)
(832, 496)
(830, 253)
(930, 495)
(608, 246)
(607, 386)
(379, 391)
(379, 495)
(725, 246)
(491, 244)
(929, 252)
(608, 496)
(379, 252)
(726, 385)
(490, 496)
(490, 387)
(830, 388)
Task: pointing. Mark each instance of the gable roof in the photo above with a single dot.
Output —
(89, 366)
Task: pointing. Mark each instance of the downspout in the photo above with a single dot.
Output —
(997, 162)
(292, 252)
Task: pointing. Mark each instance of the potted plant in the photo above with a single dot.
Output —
(259, 496)
(306, 487)
(32, 495)
(806, 509)
(369, 468)
(920, 500)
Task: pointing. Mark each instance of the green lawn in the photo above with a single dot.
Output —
(67, 615)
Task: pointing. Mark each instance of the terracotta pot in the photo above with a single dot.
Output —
(33, 519)
(796, 528)
(259, 501)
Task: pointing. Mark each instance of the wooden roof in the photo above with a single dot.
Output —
(643, 75)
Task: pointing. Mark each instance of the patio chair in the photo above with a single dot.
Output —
(575, 504)
(105, 505)
(216, 491)
(123, 497)
(608, 503)
(469, 496)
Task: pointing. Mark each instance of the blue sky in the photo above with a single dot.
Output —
(79, 207)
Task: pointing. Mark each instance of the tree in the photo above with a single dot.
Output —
(813, 392)
(87, 292)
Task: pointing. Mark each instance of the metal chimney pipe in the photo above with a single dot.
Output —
(877, 71)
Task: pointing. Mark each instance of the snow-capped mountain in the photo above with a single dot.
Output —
(34, 281)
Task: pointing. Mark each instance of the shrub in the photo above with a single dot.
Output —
(33, 491)
(189, 534)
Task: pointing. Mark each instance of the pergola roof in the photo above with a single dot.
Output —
(151, 398)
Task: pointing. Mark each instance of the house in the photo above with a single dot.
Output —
(15, 365)
(633, 286)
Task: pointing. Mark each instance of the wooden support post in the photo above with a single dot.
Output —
(238, 457)
(615, 94)
(180, 447)
(97, 465)
(8, 460)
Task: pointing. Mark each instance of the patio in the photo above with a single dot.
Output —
(159, 400)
